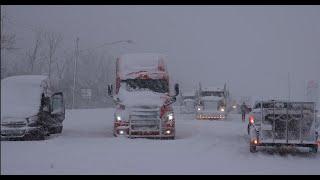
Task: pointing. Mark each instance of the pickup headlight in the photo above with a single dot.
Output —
(32, 121)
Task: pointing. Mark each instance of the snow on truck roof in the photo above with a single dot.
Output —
(21, 95)
(137, 62)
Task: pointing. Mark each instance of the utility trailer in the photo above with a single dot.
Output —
(283, 123)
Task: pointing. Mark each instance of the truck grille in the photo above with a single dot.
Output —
(144, 119)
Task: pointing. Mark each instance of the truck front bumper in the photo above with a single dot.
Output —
(210, 116)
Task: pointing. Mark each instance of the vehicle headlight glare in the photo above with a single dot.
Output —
(118, 118)
(170, 117)
(222, 109)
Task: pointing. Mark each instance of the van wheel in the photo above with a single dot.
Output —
(314, 149)
(253, 148)
(59, 129)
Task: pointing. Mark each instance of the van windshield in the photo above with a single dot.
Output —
(155, 85)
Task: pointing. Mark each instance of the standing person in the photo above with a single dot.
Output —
(243, 111)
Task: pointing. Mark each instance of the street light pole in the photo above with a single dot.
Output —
(77, 52)
(75, 71)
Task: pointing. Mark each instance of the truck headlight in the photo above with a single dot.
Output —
(170, 116)
(222, 109)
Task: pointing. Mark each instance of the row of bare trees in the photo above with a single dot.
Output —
(47, 54)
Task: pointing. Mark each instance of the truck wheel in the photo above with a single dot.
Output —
(253, 148)
(314, 149)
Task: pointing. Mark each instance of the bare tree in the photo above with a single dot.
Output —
(33, 53)
(8, 41)
(53, 40)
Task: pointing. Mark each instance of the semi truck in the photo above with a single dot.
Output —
(212, 103)
(143, 97)
(277, 123)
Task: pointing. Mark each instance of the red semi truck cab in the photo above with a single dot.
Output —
(142, 96)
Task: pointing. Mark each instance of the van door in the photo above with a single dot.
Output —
(57, 106)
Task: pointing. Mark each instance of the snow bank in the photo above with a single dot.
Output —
(21, 95)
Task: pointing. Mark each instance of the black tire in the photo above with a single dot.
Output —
(253, 148)
(36, 136)
(314, 149)
(56, 130)
(59, 129)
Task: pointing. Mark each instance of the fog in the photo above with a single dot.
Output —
(254, 49)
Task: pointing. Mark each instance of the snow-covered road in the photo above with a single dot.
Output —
(87, 146)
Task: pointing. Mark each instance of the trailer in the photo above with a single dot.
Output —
(283, 123)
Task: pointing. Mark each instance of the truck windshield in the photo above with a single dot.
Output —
(210, 105)
(155, 85)
(211, 93)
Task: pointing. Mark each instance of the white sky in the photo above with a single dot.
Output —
(252, 48)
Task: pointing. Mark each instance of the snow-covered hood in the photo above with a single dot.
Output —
(142, 98)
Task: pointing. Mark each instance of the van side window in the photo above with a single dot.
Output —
(56, 103)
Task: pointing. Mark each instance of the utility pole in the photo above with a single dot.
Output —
(289, 86)
(75, 71)
(3, 16)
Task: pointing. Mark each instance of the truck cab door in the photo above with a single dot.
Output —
(57, 107)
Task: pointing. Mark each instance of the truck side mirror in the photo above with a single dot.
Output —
(176, 88)
(110, 90)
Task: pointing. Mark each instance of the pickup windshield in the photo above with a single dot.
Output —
(155, 85)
